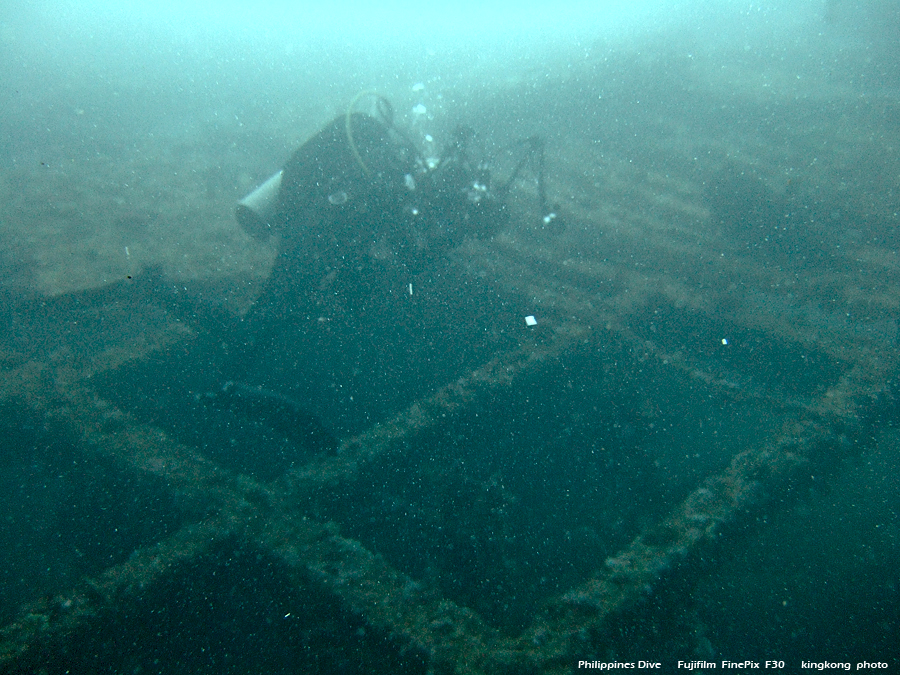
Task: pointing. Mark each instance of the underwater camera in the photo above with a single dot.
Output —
(360, 188)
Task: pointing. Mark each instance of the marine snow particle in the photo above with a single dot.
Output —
(338, 198)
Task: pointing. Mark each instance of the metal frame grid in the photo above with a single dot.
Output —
(438, 634)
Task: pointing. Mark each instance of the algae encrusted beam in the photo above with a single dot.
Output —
(583, 617)
(501, 371)
(239, 508)
(450, 637)
(46, 625)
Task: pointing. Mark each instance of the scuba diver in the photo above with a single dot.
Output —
(360, 213)
(357, 195)
(363, 310)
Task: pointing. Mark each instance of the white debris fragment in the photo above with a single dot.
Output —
(724, 341)
(530, 321)
(419, 110)
(418, 86)
(410, 288)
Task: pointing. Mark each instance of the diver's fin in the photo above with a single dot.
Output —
(280, 413)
